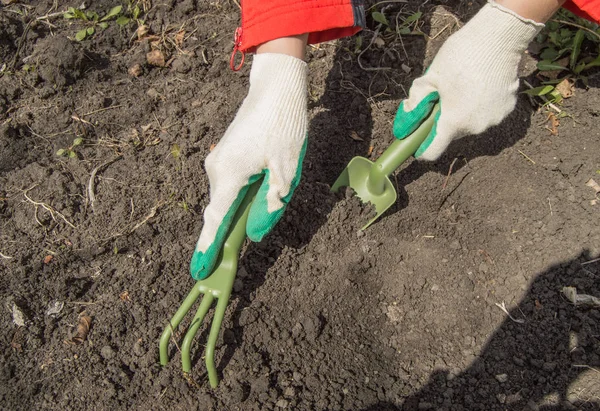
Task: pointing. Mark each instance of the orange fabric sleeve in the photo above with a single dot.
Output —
(588, 9)
(324, 20)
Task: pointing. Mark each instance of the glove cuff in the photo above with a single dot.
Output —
(511, 29)
(277, 96)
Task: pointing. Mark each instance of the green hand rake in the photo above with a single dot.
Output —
(216, 286)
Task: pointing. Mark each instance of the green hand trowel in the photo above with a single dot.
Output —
(216, 286)
(370, 180)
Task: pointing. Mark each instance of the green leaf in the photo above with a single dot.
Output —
(547, 65)
(103, 25)
(413, 17)
(136, 12)
(72, 154)
(112, 13)
(555, 96)
(77, 141)
(380, 18)
(577, 41)
(539, 91)
(549, 53)
(595, 63)
(81, 35)
(90, 31)
(358, 44)
(60, 152)
(123, 21)
(68, 15)
(175, 151)
(92, 15)
(404, 30)
(79, 14)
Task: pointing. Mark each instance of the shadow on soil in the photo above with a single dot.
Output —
(529, 365)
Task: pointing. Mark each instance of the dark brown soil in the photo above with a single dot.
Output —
(403, 316)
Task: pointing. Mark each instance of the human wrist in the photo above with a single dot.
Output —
(294, 46)
(539, 11)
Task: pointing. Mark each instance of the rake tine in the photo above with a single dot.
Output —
(186, 345)
(174, 322)
(212, 340)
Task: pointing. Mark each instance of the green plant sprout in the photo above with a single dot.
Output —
(92, 20)
(569, 46)
(70, 151)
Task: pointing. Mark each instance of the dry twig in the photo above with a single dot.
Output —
(46, 207)
(91, 196)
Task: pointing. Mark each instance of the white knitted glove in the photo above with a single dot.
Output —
(266, 138)
(473, 76)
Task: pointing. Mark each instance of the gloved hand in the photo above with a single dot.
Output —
(474, 77)
(267, 137)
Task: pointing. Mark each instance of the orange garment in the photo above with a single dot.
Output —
(589, 9)
(324, 20)
(264, 20)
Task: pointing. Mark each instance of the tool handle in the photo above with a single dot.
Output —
(400, 150)
(237, 231)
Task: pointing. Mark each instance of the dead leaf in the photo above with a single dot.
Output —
(554, 123)
(7, 2)
(565, 88)
(379, 42)
(156, 58)
(83, 328)
(48, 259)
(179, 37)
(592, 183)
(354, 136)
(142, 31)
(135, 70)
(125, 296)
(370, 151)
(212, 147)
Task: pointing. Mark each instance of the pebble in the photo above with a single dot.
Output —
(282, 403)
(502, 378)
(107, 352)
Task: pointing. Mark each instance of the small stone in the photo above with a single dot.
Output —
(138, 349)
(425, 406)
(549, 366)
(107, 352)
(297, 376)
(501, 398)
(238, 285)
(360, 234)
(289, 392)
(153, 93)
(455, 245)
(242, 273)
(502, 378)
(282, 403)
(182, 64)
